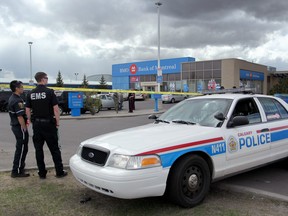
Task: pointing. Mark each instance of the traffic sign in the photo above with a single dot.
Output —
(159, 79)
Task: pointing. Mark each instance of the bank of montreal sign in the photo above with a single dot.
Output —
(150, 67)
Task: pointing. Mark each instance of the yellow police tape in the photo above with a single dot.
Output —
(6, 86)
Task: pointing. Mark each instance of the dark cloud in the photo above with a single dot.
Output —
(114, 31)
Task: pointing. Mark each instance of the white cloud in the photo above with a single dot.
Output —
(89, 36)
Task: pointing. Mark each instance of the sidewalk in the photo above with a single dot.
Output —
(113, 114)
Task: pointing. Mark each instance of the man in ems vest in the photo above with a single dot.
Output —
(43, 105)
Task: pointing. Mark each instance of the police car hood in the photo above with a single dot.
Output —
(151, 137)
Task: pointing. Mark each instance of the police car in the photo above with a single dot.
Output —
(188, 147)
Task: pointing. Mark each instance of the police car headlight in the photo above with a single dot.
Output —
(134, 162)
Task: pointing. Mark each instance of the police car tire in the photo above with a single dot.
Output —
(195, 169)
(172, 100)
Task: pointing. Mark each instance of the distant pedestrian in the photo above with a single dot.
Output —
(131, 102)
(19, 128)
(45, 119)
(116, 101)
(121, 99)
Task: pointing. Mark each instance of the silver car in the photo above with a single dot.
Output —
(172, 98)
(106, 101)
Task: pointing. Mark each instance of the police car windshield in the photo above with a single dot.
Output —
(197, 111)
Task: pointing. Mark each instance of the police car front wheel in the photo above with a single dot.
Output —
(189, 181)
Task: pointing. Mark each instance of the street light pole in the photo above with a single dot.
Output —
(159, 71)
(76, 74)
(30, 45)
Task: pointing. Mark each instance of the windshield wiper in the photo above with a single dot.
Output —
(160, 120)
(184, 122)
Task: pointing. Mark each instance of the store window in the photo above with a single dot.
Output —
(216, 73)
(199, 66)
(208, 74)
(199, 74)
(217, 65)
(185, 75)
(208, 65)
(186, 67)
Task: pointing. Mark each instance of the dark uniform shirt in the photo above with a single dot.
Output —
(41, 100)
(16, 108)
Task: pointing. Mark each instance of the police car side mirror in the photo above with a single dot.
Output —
(152, 117)
(238, 121)
(219, 116)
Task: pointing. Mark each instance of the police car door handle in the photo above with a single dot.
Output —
(265, 130)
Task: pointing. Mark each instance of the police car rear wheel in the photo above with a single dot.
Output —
(189, 181)
(172, 100)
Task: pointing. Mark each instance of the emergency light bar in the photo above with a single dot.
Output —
(233, 90)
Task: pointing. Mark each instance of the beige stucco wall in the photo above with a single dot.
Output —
(231, 72)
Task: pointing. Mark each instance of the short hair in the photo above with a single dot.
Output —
(15, 84)
(39, 76)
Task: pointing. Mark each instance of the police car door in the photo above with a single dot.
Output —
(276, 121)
(247, 145)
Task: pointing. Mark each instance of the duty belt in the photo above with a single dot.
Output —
(43, 120)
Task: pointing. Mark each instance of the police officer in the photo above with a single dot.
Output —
(19, 128)
(130, 101)
(43, 104)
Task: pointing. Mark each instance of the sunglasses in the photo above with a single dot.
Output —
(19, 84)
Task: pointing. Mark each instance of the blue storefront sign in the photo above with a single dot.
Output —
(149, 67)
(75, 102)
(122, 72)
(251, 75)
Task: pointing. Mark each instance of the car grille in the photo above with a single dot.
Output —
(95, 156)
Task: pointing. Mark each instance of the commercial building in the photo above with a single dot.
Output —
(187, 75)
(225, 73)
(143, 75)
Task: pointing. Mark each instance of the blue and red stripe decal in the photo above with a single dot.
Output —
(170, 154)
(182, 146)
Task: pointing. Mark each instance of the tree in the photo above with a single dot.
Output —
(102, 83)
(84, 82)
(59, 80)
(281, 87)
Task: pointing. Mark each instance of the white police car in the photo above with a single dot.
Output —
(194, 143)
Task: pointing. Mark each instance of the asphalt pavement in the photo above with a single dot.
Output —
(269, 181)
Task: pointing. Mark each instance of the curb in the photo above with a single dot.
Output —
(242, 189)
(114, 115)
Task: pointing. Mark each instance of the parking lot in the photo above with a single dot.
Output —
(269, 180)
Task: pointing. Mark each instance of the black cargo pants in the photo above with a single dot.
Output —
(22, 139)
(46, 131)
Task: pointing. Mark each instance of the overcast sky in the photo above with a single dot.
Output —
(88, 36)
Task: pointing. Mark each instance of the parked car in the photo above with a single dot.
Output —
(4, 97)
(140, 96)
(194, 143)
(172, 98)
(107, 101)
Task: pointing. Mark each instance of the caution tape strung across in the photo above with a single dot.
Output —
(237, 90)
(27, 87)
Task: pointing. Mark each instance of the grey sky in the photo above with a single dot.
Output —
(88, 36)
